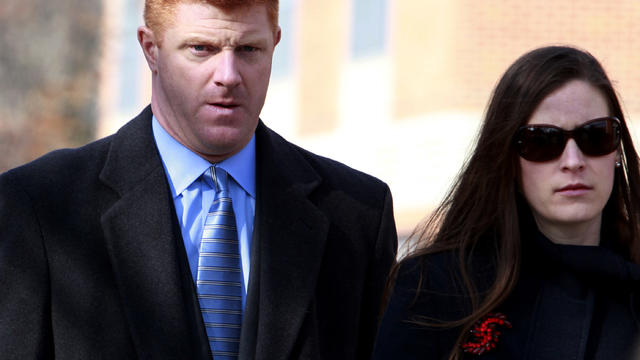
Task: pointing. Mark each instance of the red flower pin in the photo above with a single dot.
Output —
(485, 334)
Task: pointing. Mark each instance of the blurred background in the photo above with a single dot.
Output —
(395, 88)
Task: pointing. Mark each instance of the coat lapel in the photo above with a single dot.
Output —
(143, 242)
(290, 235)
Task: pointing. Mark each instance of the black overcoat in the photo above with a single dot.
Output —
(92, 263)
(570, 302)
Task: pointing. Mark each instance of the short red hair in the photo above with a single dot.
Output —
(159, 13)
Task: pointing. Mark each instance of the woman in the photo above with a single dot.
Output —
(534, 252)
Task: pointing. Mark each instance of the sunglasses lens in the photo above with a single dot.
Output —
(598, 137)
(540, 143)
(544, 143)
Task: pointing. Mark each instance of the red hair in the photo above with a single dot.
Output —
(159, 13)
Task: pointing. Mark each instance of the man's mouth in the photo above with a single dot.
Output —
(226, 105)
(224, 102)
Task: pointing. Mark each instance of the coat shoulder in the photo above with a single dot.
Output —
(62, 169)
(339, 173)
(59, 168)
(333, 173)
(423, 294)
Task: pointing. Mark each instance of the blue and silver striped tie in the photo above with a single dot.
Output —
(219, 279)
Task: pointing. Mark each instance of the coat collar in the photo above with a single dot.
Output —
(290, 235)
(143, 242)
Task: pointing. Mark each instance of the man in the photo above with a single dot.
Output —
(105, 250)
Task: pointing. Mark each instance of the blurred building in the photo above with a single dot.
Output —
(49, 53)
(395, 88)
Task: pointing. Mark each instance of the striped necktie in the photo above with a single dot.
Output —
(219, 279)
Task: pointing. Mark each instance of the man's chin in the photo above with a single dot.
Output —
(220, 148)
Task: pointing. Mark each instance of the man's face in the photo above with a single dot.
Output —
(210, 75)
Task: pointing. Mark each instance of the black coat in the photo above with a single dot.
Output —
(92, 262)
(570, 302)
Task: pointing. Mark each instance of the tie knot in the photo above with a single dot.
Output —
(217, 178)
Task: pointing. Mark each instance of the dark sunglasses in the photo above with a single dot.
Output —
(541, 143)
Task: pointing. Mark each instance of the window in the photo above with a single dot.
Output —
(369, 28)
(283, 55)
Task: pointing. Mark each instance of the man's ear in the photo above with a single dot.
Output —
(278, 36)
(149, 44)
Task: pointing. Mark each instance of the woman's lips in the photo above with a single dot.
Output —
(574, 189)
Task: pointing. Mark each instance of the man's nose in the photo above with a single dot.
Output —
(227, 72)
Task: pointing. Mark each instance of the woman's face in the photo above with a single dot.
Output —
(569, 192)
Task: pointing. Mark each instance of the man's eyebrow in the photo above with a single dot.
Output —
(200, 39)
(246, 38)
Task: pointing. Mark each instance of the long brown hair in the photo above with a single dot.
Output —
(484, 206)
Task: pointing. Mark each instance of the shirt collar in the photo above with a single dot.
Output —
(183, 166)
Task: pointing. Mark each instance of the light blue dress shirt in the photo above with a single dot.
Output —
(193, 197)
